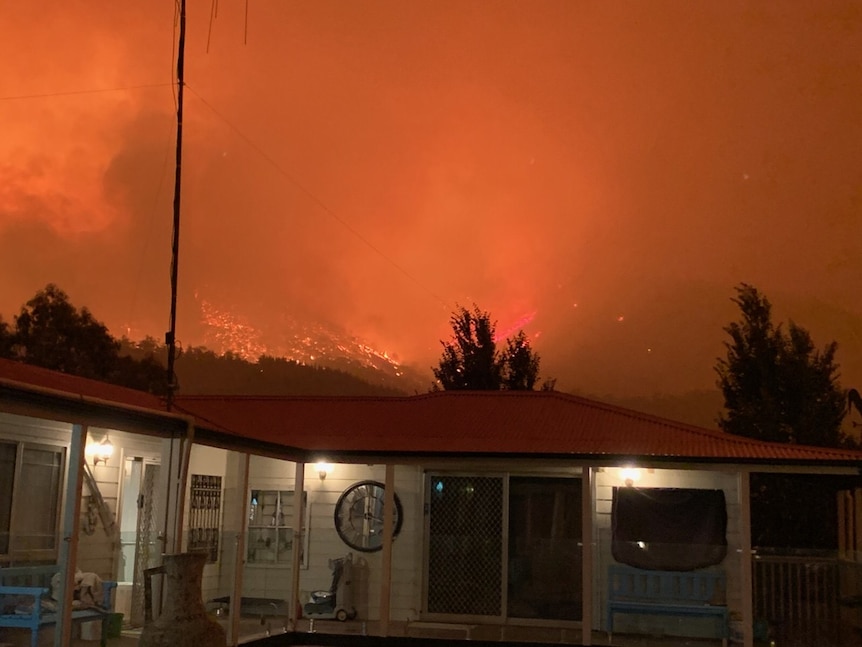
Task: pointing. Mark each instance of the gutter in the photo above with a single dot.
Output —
(87, 399)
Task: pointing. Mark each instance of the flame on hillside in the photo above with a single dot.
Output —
(226, 331)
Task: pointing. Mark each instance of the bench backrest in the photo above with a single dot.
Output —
(28, 575)
(681, 587)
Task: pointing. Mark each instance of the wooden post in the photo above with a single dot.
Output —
(857, 525)
(386, 555)
(182, 487)
(240, 558)
(745, 559)
(68, 551)
(298, 535)
(842, 524)
(587, 556)
(169, 477)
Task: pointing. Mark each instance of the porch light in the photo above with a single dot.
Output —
(630, 475)
(323, 469)
(103, 451)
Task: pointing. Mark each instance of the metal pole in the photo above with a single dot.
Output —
(171, 337)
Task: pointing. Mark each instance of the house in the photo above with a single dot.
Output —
(462, 515)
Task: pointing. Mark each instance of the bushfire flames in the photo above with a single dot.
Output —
(226, 331)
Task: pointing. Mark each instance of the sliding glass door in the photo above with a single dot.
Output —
(504, 546)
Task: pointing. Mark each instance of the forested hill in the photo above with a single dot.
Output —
(49, 331)
(202, 372)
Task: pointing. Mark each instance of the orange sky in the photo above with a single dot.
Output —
(369, 165)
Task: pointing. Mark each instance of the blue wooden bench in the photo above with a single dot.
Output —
(21, 591)
(668, 593)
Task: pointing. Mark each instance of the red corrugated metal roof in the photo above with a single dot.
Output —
(483, 422)
(73, 385)
(454, 422)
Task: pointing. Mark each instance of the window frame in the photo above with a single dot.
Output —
(14, 555)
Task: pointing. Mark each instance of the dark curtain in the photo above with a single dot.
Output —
(669, 529)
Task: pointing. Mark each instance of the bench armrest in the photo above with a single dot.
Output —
(107, 587)
(35, 592)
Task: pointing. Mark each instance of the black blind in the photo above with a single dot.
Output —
(669, 529)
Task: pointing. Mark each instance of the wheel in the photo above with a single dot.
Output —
(341, 615)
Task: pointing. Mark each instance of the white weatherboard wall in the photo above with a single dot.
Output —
(24, 428)
(606, 480)
(325, 544)
(272, 581)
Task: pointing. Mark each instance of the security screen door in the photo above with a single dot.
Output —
(146, 550)
(504, 546)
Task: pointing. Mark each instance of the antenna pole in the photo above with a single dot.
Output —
(171, 336)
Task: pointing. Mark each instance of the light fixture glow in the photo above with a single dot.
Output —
(323, 469)
(103, 451)
(630, 475)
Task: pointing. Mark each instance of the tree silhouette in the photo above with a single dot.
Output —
(5, 339)
(854, 401)
(471, 361)
(521, 364)
(777, 386)
(52, 333)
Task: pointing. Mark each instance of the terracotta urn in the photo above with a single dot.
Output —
(184, 621)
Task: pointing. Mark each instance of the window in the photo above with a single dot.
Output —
(30, 490)
(669, 529)
(270, 528)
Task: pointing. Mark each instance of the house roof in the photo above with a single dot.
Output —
(32, 390)
(12, 372)
(452, 423)
(499, 423)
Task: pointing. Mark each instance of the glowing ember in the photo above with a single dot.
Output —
(229, 332)
(515, 327)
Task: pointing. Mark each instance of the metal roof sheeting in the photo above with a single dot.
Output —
(483, 422)
(501, 423)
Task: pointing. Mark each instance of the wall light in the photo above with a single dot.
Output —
(103, 451)
(630, 475)
(323, 469)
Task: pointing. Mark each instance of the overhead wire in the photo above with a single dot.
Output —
(174, 52)
(68, 93)
(213, 16)
(245, 26)
(254, 146)
(149, 230)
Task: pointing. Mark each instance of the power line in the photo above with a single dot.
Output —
(316, 200)
(48, 95)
